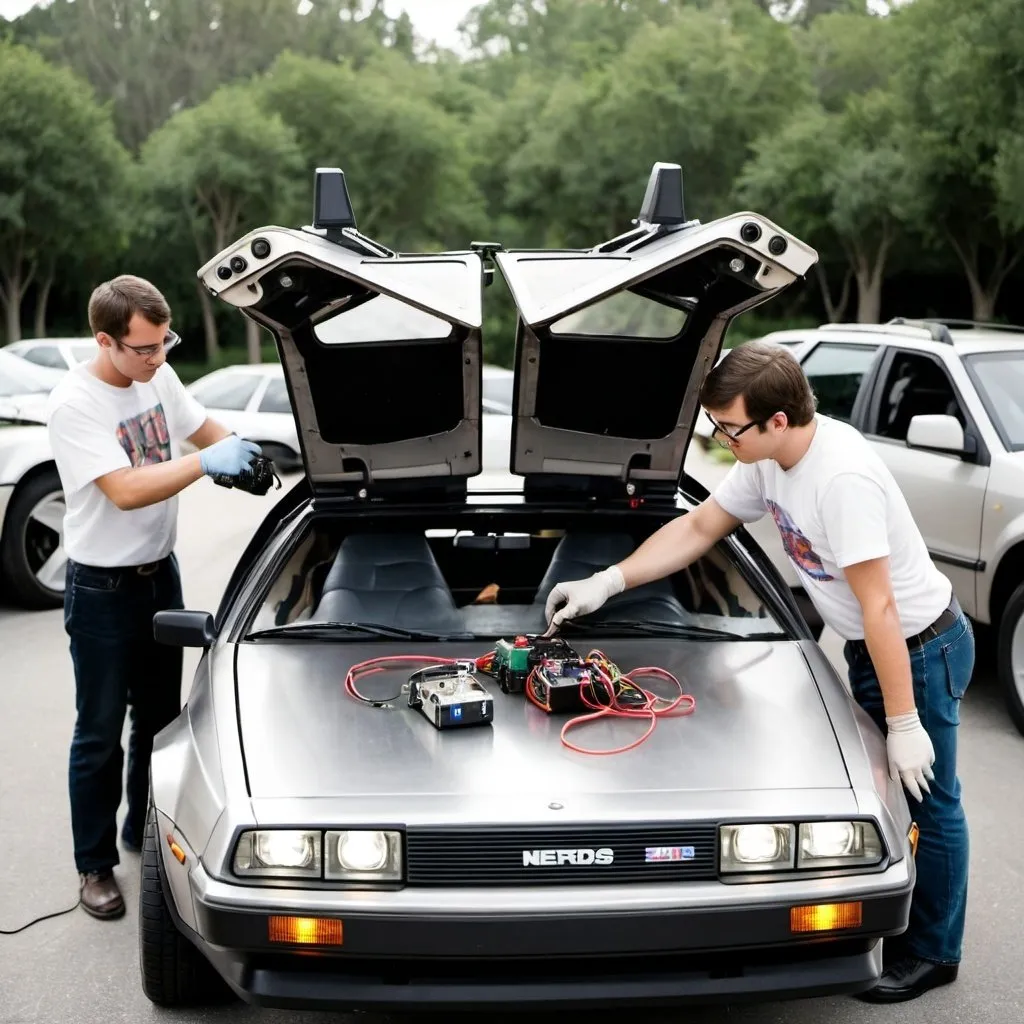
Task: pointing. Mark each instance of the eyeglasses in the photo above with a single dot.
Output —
(727, 438)
(146, 351)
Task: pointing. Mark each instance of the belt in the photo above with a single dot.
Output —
(146, 569)
(947, 618)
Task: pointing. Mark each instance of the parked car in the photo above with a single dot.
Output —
(32, 556)
(57, 354)
(942, 402)
(315, 841)
(252, 400)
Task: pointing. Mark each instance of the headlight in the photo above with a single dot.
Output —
(757, 847)
(836, 844)
(278, 853)
(364, 855)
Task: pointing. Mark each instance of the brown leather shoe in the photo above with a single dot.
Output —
(100, 895)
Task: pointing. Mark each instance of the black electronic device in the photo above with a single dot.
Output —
(450, 696)
(257, 479)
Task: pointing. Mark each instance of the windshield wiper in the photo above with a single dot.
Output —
(337, 631)
(682, 630)
(20, 421)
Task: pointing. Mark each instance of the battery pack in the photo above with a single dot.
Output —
(452, 701)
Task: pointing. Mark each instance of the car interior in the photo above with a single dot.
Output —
(916, 386)
(448, 579)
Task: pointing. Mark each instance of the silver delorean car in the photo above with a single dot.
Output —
(388, 790)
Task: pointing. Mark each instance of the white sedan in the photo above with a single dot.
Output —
(32, 559)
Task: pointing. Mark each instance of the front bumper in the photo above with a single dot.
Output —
(602, 958)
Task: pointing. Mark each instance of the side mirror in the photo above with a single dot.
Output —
(184, 629)
(938, 434)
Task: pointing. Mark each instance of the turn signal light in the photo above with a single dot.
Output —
(912, 835)
(179, 853)
(305, 931)
(825, 917)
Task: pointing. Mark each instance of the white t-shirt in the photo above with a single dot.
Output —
(96, 428)
(837, 506)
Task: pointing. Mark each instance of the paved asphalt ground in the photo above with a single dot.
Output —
(77, 970)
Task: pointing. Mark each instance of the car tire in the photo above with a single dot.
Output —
(1010, 658)
(27, 543)
(174, 972)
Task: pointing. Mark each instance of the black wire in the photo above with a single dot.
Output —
(45, 917)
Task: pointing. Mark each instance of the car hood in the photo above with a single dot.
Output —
(759, 725)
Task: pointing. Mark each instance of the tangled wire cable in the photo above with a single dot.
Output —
(613, 693)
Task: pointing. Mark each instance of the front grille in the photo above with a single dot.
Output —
(560, 855)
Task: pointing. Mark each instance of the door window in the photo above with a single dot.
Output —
(275, 398)
(228, 391)
(915, 385)
(836, 372)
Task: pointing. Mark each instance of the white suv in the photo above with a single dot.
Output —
(943, 403)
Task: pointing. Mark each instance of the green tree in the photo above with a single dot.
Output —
(405, 158)
(840, 181)
(964, 99)
(697, 91)
(62, 178)
(216, 171)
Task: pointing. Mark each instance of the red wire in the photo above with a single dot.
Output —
(684, 704)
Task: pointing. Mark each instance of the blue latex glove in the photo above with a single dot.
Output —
(228, 457)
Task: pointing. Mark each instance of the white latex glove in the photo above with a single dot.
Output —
(911, 754)
(581, 597)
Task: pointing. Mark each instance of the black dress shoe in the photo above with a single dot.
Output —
(101, 896)
(907, 979)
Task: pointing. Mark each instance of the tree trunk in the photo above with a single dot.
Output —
(869, 270)
(209, 325)
(12, 314)
(835, 311)
(42, 299)
(252, 340)
(984, 294)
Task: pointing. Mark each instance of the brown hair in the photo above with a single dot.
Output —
(113, 304)
(768, 377)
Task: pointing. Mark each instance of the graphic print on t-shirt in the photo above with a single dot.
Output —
(797, 546)
(145, 438)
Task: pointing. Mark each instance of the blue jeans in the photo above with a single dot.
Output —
(942, 669)
(108, 614)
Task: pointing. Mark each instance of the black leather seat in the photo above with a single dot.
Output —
(579, 555)
(389, 578)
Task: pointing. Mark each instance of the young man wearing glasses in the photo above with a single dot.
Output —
(910, 649)
(114, 426)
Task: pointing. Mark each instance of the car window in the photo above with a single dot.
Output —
(497, 395)
(999, 378)
(45, 355)
(836, 372)
(275, 398)
(17, 377)
(623, 315)
(915, 385)
(380, 318)
(228, 391)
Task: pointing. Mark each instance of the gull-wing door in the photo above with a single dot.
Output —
(381, 351)
(613, 342)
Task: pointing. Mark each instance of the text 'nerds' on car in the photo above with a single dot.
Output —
(383, 792)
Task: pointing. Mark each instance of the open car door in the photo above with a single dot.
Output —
(614, 342)
(381, 351)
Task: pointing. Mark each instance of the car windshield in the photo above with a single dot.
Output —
(436, 580)
(17, 378)
(999, 378)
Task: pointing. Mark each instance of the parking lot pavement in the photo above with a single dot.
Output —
(76, 970)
